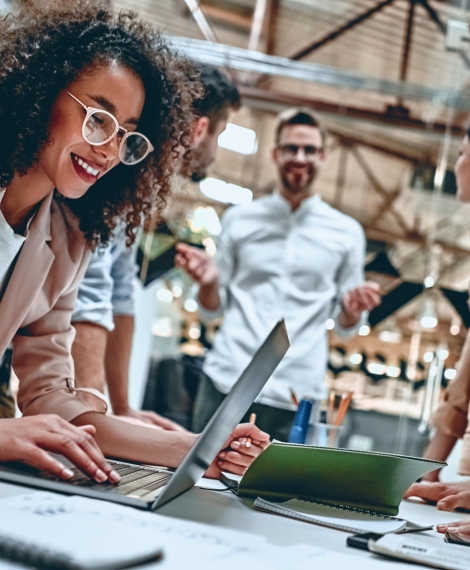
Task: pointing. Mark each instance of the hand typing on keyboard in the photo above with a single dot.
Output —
(29, 439)
(235, 457)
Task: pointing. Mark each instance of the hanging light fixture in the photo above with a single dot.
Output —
(428, 316)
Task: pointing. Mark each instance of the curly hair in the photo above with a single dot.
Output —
(46, 46)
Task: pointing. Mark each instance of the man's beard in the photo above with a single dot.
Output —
(295, 189)
(199, 161)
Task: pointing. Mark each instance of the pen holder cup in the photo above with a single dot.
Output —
(325, 435)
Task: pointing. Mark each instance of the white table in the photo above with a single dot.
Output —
(228, 511)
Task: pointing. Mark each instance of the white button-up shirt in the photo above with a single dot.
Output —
(277, 263)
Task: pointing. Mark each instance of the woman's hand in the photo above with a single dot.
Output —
(239, 451)
(29, 439)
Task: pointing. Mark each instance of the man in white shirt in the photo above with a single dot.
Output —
(288, 255)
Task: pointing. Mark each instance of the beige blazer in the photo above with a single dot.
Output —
(35, 313)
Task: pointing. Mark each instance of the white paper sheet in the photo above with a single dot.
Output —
(186, 544)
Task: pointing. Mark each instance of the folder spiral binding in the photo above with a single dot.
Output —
(341, 507)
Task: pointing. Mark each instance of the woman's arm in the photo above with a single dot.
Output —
(167, 448)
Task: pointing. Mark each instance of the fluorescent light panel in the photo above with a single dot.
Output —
(225, 193)
(238, 139)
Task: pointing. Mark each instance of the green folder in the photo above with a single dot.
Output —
(353, 479)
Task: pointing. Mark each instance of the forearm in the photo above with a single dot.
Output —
(440, 446)
(439, 449)
(347, 321)
(88, 352)
(129, 442)
(209, 296)
(117, 358)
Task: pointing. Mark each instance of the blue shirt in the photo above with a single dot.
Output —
(108, 286)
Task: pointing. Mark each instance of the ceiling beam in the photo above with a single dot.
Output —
(442, 27)
(315, 73)
(388, 117)
(258, 26)
(405, 55)
(203, 23)
(227, 17)
(384, 207)
(349, 25)
(349, 140)
(387, 197)
(412, 237)
(270, 22)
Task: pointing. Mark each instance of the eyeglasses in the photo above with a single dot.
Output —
(291, 150)
(99, 127)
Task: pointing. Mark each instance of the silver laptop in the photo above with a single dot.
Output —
(151, 487)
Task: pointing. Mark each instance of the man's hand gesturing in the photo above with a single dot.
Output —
(363, 298)
(197, 264)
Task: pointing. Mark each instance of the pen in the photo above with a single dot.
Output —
(251, 421)
(294, 398)
(331, 407)
(343, 408)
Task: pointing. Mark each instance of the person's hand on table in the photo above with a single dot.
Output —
(29, 439)
(197, 264)
(365, 297)
(148, 418)
(446, 496)
(461, 527)
(237, 454)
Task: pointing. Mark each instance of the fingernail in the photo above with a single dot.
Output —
(219, 463)
(114, 476)
(222, 454)
(67, 473)
(100, 476)
(235, 444)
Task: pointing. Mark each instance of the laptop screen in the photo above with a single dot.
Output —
(228, 414)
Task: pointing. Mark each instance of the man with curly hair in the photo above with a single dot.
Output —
(104, 312)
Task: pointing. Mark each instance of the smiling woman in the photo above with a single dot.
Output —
(94, 112)
(119, 65)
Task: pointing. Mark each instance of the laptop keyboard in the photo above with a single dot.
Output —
(135, 481)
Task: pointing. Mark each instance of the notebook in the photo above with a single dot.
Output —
(151, 487)
(63, 538)
(337, 517)
(374, 482)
